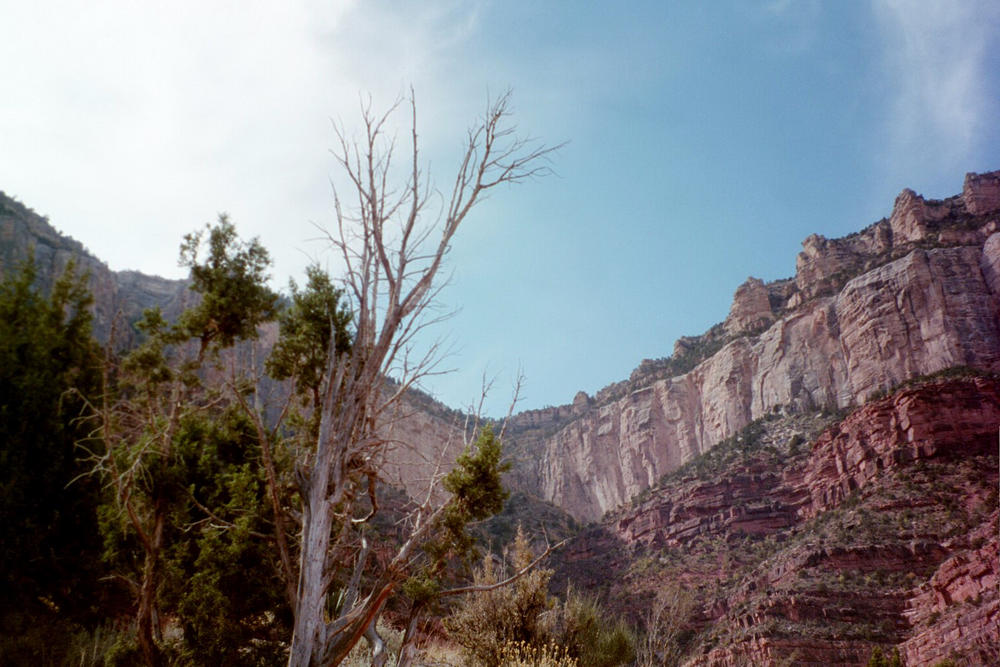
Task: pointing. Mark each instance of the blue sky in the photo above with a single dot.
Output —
(706, 140)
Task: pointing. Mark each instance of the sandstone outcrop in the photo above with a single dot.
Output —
(880, 532)
(751, 308)
(946, 418)
(981, 193)
(909, 296)
(958, 610)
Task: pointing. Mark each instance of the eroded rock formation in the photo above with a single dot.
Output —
(946, 418)
(908, 296)
(881, 531)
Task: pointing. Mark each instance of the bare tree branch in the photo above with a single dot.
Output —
(482, 588)
(393, 251)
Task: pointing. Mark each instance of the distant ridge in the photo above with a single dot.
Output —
(128, 293)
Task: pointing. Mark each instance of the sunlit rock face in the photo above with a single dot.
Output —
(981, 193)
(908, 296)
(911, 294)
(916, 568)
(751, 308)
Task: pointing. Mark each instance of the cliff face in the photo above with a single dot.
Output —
(123, 293)
(881, 531)
(799, 536)
(947, 419)
(429, 436)
(909, 295)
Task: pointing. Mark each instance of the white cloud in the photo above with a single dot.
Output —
(132, 123)
(939, 80)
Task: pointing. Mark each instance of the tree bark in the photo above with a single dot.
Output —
(308, 635)
(393, 254)
(408, 651)
(379, 653)
(147, 591)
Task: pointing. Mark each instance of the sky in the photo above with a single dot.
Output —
(703, 142)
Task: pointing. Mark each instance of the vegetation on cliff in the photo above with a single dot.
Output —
(769, 583)
(153, 498)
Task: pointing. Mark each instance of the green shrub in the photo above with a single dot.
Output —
(879, 659)
(583, 627)
(522, 622)
(483, 622)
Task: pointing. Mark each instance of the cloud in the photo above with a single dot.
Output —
(941, 95)
(133, 123)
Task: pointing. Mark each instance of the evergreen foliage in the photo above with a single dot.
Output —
(232, 281)
(879, 658)
(161, 453)
(477, 490)
(221, 568)
(477, 493)
(314, 316)
(48, 365)
(195, 479)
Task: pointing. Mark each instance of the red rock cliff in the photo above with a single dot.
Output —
(908, 296)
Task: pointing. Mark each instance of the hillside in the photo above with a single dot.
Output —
(432, 432)
(122, 294)
(911, 294)
(798, 548)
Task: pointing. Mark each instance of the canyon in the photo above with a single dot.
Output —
(817, 474)
(120, 297)
(912, 294)
(880, 531)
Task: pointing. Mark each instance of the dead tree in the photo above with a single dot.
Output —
(393, 242)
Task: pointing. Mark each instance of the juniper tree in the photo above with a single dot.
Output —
(160, 386)
(49, 553)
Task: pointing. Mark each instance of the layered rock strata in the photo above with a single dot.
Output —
(957, 612)
(882, 533)
(946, 418)
(909, 296)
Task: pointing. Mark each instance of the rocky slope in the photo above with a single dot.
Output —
(121, 294)
(910, 295)
(880, 532)
(729, 471)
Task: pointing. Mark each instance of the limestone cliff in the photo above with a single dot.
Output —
(909, 295)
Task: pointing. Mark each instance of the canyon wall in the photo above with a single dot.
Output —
(879, 532)
(943, 419)
(121, 294)
(425, 436)
(910, 295)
